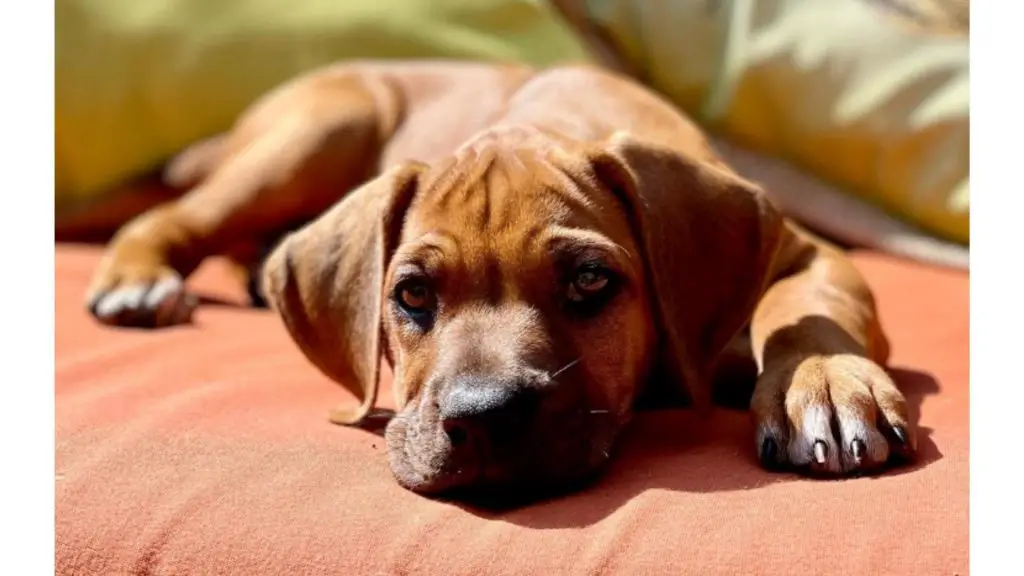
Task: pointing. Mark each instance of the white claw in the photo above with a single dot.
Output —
(162, 289)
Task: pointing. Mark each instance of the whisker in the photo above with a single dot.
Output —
(566, 367)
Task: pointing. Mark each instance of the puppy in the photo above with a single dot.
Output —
(529, 251)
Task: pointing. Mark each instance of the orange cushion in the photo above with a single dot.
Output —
(206, 450)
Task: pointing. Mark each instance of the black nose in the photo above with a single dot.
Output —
(485, 410)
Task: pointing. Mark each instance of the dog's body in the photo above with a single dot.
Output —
(527, 250)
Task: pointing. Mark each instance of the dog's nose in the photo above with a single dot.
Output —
(482, 410)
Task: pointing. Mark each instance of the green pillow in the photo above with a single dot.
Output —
(835, 87)
(136, 80)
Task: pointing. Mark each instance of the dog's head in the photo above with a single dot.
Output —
(523, 295)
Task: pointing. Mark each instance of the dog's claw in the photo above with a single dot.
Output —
(900, 434)
(902, 452)
(769, 454)
(857, 447)
(820, 452)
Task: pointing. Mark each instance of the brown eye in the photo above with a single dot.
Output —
(415, 297)
(589, 282)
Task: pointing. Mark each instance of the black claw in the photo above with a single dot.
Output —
(769, 454)
(858, 448)
(903, 453)
(820, 452)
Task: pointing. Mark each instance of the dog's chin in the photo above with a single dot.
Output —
(423, 461)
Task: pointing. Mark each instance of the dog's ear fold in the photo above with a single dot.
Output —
(326, 282)
(709, 238)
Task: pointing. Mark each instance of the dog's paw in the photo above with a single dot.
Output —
(830, 415)
(140, 297)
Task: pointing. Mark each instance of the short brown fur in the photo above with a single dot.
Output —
(493, 184)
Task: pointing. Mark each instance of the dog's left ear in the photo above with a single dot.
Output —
(326, 281)
(709, 238)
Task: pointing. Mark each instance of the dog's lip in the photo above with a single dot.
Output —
(463, 472)
(425, 480)
(433, 486)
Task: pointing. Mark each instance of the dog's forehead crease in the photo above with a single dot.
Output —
(494, 190)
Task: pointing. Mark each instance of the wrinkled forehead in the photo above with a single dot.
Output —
(513, 199)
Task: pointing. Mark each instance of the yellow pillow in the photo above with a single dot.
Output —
(138, 80)
(832, 86)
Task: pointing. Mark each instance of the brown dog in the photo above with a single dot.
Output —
(527, 250)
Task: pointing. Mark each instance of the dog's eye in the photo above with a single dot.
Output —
(590, 281)
(416, 297)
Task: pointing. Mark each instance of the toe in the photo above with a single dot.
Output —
(132, 296)
(769, 451)
(814, 445)
(893, 418)
(769, 413)
(174, 308)
(864, 447)
(111, 306)
(162, 290)
(123, 306)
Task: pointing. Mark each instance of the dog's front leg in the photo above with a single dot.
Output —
(290, 157)
(823, 403)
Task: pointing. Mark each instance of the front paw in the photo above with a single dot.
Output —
(830, 415)
(140, 296)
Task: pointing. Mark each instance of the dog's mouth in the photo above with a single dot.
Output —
(557, 453)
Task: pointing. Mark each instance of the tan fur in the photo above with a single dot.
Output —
(490, 182)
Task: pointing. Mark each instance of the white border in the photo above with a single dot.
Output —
(997, 259)
(997, 163)
(27, 288)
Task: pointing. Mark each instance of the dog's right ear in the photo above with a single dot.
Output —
(326, 282)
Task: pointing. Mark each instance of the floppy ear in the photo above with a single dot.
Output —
(326, 282)
(708, 238)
